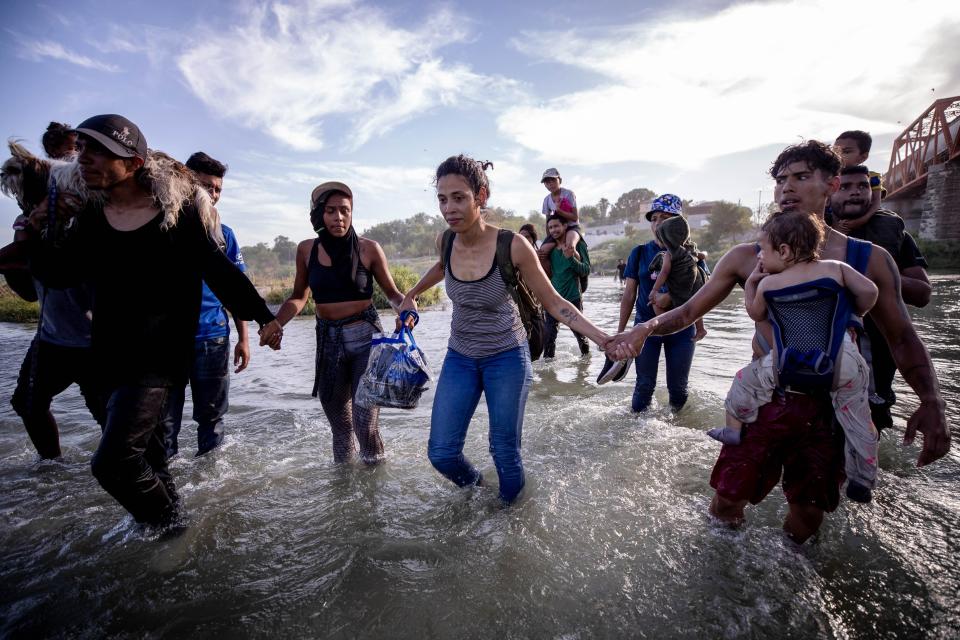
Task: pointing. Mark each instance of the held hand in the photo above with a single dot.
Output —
(271, 334)
(241, 356)
(602, 340)
(629, 343)
(408, 304)
(842, 225)
(929, 420)
(412, 318)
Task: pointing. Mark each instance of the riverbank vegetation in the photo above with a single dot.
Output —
(15, 309)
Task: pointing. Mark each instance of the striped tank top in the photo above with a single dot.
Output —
(485, 317)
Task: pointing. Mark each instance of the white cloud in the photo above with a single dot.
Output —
(37, 50)
(261, 206)
(292, 67)
(683, 90)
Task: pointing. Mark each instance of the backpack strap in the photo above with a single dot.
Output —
(446, 248)
(504, 261)
(858, 254)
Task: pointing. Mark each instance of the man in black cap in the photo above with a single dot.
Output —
(132, 243)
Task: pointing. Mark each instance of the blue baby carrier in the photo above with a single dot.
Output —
(809, 321)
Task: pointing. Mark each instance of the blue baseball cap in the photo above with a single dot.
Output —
(668, 203)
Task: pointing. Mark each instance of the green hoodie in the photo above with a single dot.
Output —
(566, 271)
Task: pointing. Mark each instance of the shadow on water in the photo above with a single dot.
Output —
(610, 538)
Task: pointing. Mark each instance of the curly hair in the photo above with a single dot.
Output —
(473, 171)
(802, 232)
(814, 153)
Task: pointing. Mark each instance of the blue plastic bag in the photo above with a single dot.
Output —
(397, 373)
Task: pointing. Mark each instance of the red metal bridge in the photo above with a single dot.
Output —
(932, 139)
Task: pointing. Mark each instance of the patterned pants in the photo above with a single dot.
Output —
(753, 387)
(342, 353)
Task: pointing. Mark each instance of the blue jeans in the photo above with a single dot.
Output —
(678, 350)
(209, 387)
(504, 378)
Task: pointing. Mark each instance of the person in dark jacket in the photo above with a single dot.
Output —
(145, 245)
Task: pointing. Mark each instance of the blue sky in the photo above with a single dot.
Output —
(694, 98)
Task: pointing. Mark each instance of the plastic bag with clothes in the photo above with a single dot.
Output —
(397, 373)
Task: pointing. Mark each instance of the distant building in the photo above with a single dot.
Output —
(698, 215)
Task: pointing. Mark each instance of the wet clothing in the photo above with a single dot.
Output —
(209, 389)
(346, 279)
(148, 284)
(131, 460)
(754, 385)
(47, 370)
(504, 378)
(793, 432)
(551, 328)
(343, 349)
(487, 353)
(678, 348)
(59, 356)
(885, 229)
(210, 373)
(794, 435)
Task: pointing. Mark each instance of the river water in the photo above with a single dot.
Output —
(610, 539)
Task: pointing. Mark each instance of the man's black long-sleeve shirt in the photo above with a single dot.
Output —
(146, 292)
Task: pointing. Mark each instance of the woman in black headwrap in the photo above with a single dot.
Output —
(338, 268)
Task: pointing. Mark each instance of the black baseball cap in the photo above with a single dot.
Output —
(120, 136)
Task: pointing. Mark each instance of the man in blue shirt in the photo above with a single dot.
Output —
(209, 375)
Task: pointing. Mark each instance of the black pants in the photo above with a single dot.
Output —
(131, 461)
(882, 369)
(47, 370)
(550, 329)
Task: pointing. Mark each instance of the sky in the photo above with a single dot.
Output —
(685, 97)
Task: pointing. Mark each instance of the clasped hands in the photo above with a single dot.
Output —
(271, 334)
(626, 344)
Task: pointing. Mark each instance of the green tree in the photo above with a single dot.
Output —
(604, 208)
(589, 214)
(629, 204)
(728, 221)
(285, 249)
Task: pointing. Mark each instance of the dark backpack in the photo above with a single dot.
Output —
(531, 311)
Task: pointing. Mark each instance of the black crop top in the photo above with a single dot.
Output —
(329, 285)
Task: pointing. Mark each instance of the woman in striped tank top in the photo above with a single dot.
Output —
(488, 351)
